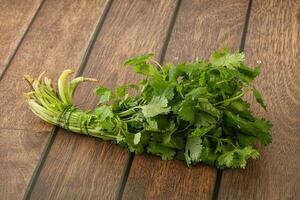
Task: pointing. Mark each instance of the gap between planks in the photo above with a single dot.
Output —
(241, 49)
(163, 51)
(21, 40)
(55, 129)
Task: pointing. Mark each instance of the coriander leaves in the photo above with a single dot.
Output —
(190, 111)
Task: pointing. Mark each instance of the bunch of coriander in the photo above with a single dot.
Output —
(190, 111)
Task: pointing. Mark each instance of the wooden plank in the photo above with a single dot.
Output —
(201, 27)
(274, 39)
(80, 167)
(15, 17)
(58, 38)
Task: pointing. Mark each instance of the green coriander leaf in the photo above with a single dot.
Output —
(162, 87)
(175, 141)
(197, 92)
(104, 93)
(103, 112)
(223, 58)
(157, 105)
(151, 125)
(247, 71)
(249, 152)
(246, 140)
(237, 158)
(206, 106)
(121, 91)
(187, 110)
(134, 86)
(260, 128)
(203, 119)
(120, 137)
(242, 108)
(264, 127)
(202, 79)
(171, 71)
(141, 65)
(139, 59)
(219, 53)
(135, 141)
(259, 98)
(199, 132)
(107, 125)
(226, 159)
(158, 149)
(193, 150)
(137, 138)
(208, 156)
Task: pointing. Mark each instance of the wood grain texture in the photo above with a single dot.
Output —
(201, 27)
(80, 167)
(57, 39)
(274, 39)
(15, 17)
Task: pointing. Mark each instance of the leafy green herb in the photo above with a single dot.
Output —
(191, 111)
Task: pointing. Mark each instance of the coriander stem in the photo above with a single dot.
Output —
(221, 82)
(127, 112)
(230, 99)
(221, 139)
(157, 63)
(188, 126)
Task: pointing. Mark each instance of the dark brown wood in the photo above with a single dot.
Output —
(57, 39)
(15, 17)
(80, 167)
(201, 27)
(274, 39)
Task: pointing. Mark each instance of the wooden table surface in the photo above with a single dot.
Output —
(39, 161)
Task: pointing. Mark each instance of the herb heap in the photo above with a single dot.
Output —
(191, 111)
